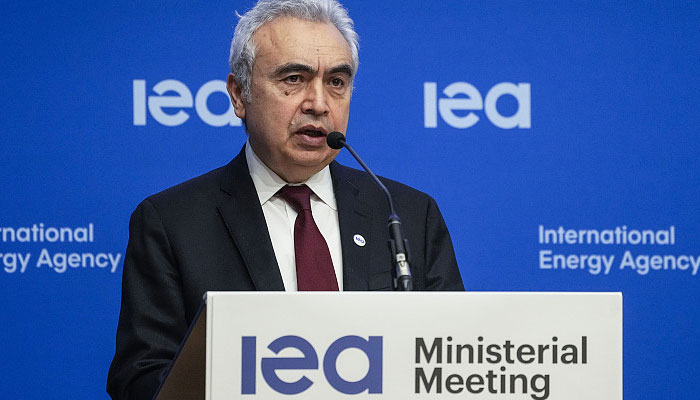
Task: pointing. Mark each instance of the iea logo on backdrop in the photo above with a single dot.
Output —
(171, 102)
(462, 106)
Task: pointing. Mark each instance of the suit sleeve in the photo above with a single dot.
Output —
(441, 271)
(152, 319)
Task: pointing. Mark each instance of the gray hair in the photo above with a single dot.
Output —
(242, 54)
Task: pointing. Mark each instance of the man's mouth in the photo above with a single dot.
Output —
(315, 134)
(312, 133)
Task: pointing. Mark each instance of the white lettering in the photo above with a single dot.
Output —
(101, 260)
(595, 263)
(139, 96)
(463, 96)
(9, 262)
(521, 118)
(200, 105)
(608, 262)
(473, 101)
(44, 259)
(430, 104)
(114, 261)
(545, 259)
(182, 99)
(628, 261)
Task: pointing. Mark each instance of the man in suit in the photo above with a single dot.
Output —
(238, 227)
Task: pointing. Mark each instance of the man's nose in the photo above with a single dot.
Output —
(315, 101)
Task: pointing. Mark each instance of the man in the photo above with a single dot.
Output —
(237, 227)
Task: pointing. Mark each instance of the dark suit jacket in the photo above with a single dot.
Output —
(209, 233)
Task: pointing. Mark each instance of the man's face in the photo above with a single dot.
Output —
(300, 91)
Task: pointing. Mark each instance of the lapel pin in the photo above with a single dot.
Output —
(359, 240)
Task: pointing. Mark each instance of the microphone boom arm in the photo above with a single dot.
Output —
(403, 281)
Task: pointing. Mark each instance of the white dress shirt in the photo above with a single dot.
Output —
(280, 216)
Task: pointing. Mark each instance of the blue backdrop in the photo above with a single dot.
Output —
(603, 100)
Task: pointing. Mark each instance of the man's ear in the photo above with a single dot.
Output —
(235, 91)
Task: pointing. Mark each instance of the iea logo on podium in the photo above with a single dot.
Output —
(465, 99)
(274, 363)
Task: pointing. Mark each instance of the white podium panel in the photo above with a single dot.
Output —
(402, 346)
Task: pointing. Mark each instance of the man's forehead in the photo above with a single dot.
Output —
(287, 36)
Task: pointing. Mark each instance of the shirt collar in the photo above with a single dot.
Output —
(267, 182)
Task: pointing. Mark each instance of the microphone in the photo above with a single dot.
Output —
(403, 281)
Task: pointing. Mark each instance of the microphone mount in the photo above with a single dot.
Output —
(398, 245)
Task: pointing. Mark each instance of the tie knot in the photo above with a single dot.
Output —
(299, 197)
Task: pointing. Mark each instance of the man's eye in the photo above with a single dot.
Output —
(293, 79)
(337, 82)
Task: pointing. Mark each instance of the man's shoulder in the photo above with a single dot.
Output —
(362, 181)
(202, 192)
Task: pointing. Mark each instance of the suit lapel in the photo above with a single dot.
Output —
(241, 211)
(354, 218)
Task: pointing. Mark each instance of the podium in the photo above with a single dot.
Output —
(391, 345)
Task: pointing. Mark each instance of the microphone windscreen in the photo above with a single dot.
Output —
(335, 140)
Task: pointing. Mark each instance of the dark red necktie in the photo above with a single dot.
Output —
(313, 259)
